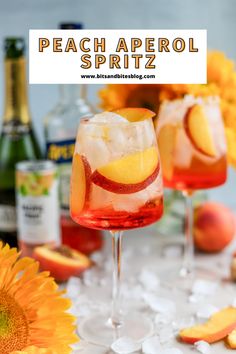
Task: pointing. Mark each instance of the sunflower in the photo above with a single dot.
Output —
(137, 95)
(33, 318)
(221, 81)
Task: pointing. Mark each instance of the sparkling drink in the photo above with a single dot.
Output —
(192, 144)
(111, 175)
(116, 185)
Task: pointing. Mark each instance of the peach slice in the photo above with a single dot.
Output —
(135, 114)
(62, 262)
(217, 327)
(166, 143)
(80, 183)
(231, 339)
(198, 130)
(129, 174)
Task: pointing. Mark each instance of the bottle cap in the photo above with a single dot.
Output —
(14, 47)
(71, 25)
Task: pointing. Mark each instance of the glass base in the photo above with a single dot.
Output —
(97, 329)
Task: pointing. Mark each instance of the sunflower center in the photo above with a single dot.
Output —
(14, 331)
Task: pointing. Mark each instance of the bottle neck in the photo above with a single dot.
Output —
(16, 100)
(73, 94)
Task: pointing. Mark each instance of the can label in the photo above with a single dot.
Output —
(62, 152)
(37, 207)
(7, 218)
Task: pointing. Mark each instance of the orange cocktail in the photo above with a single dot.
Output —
(192, 146)
(116, 185)
(116, 179)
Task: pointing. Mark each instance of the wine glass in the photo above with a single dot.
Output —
(192, 147)
(116, 185)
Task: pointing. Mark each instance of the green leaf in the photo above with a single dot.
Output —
(36, 175)
(45, 191)
(23, 190)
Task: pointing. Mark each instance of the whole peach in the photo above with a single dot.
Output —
(214, 227)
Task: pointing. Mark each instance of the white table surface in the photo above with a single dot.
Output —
(143, 249)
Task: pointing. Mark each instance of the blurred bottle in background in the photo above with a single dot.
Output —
(17, 139)
(60, 132)
(37, 205)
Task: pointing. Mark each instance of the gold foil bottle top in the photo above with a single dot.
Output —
(14, 47)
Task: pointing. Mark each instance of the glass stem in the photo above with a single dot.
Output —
(188, 262)
(116, 252)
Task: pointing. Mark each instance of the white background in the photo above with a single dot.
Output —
(18, 16)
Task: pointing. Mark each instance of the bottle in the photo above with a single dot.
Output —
(17, 139)
(60, 132)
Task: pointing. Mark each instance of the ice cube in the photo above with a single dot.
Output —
(128, 202)
(174, 111)
(108, 117)
(151, 345)
(97, 257)
(83, 306)
(204, 287)
(73, 287)
(125, 345)
(148, 134)
(132, 292)
(149, 280)
(166, 334)
(133, 202)
(203, 347)
(183, 322)
(117, 141)
(91, 348)
(90, 277)
(140, 137)
(171, 351)
(172, 251)
(195, 298)
(214, 115)
(206, 311)
(159, 304)
(91, 143)
(124, 138)
(163, 318)
(183, 150)
(100, 198)
(103, 282)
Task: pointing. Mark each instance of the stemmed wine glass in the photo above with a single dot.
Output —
(192, 148)
(116, 185)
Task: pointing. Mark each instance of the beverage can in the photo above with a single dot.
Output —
(37, 203)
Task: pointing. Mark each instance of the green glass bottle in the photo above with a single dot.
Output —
(17, 139)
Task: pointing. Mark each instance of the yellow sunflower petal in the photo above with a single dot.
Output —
(33, 317)
(34, 350)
